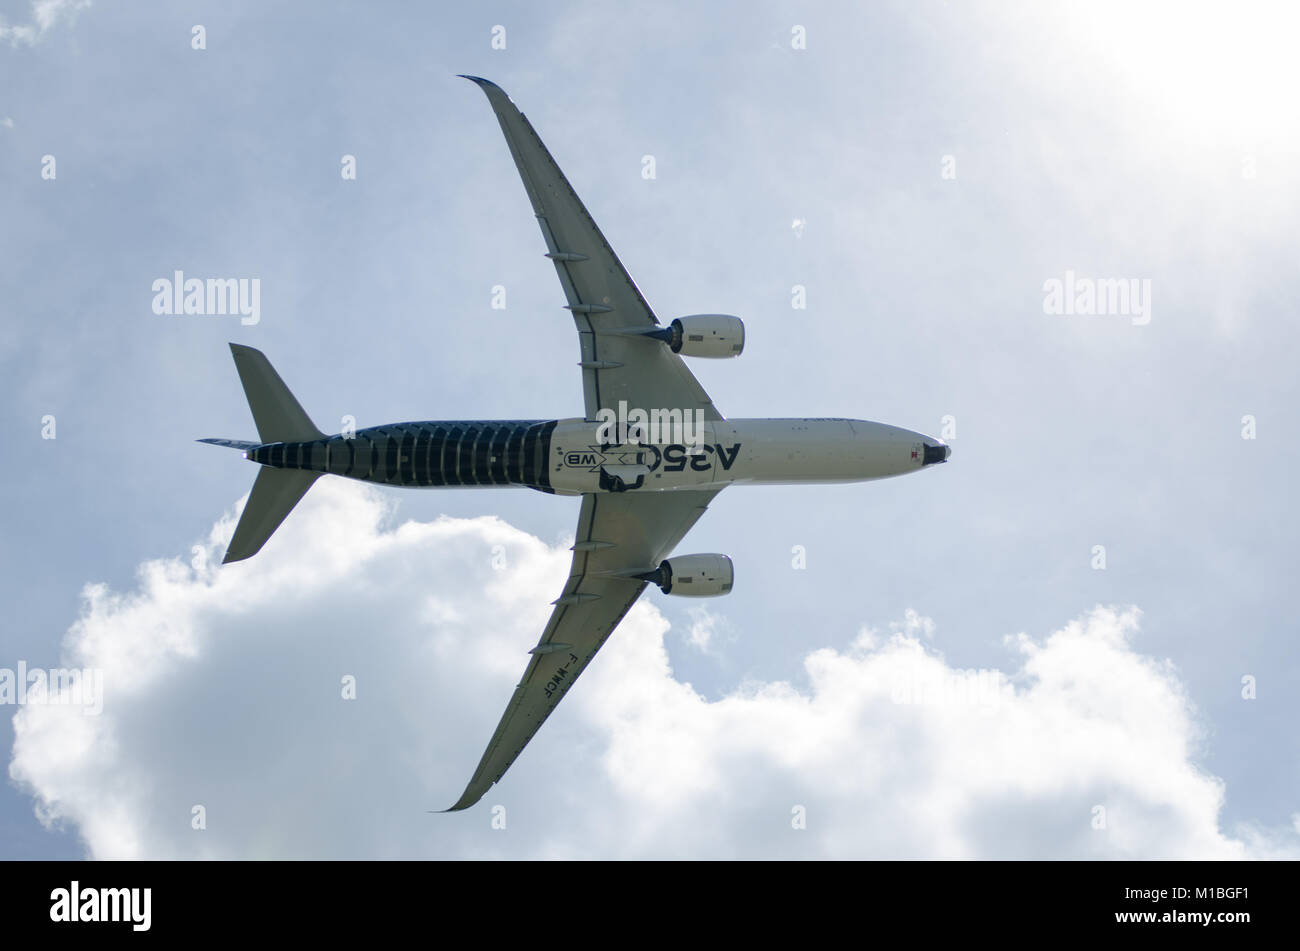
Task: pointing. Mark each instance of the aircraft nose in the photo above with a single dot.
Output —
(936, 454)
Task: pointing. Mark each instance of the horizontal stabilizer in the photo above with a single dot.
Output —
(243, 444)
(275, 493)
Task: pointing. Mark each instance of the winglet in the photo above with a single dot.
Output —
(467, 799)
(501, 102)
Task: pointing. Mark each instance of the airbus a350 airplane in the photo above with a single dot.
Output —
(647, 458)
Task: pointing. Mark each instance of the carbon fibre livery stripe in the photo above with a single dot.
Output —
(435, 453)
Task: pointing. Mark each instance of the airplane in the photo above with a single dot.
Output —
(648, 456)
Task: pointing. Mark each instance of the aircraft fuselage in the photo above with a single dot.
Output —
(570, 456)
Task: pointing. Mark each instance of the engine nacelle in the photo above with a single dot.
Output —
(716, 336)
(694, 576)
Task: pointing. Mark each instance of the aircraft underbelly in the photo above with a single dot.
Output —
(754, 451)
(791, 451)
(584, 460)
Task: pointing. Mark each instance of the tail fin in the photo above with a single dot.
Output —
(279, 418)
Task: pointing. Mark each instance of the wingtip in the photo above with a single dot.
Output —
(467, 798)
(496, 95)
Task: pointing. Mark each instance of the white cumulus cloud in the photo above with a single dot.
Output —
(223, 689)
(45, 16)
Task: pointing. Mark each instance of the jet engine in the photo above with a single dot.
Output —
(717, 336)
(693, 576)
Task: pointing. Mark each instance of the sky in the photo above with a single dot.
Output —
(1074, 640)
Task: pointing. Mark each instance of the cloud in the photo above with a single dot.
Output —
(45, 16)
(706, 625)
(223, 689)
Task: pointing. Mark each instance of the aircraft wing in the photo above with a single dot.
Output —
(601, 295)
(618, 533)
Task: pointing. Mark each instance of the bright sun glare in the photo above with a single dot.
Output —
(1227, 71)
